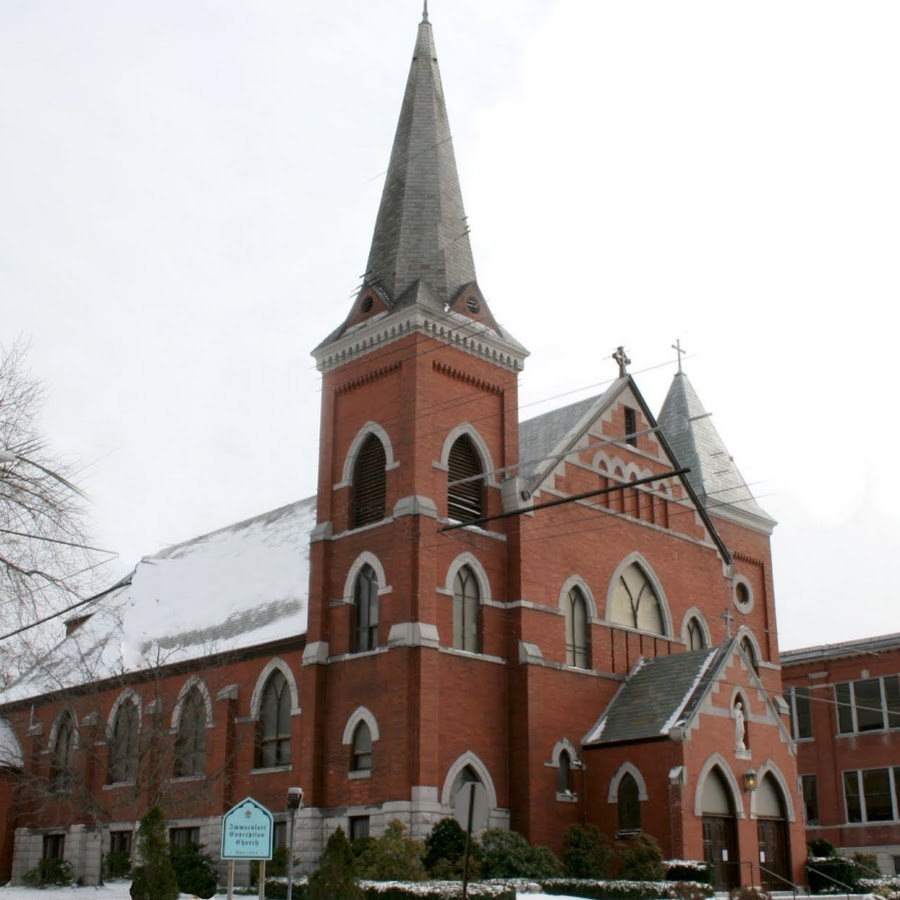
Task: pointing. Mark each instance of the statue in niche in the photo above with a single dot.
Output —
(740, 727)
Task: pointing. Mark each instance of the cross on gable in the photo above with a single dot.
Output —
(622, 359)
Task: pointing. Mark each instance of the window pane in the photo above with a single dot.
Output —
(564, 775)
(844, 709)
(629, 804)
(851, 795)
(892, 700)
(867, 696)
(810, 798)
(802, 713)
(877, 791)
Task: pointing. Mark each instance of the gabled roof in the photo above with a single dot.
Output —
(549, 438)
(659, 694)
(690, 432)
(238, 587)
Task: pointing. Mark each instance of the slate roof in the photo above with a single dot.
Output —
(659, 694)
(696, 443)
(238, 587)
(541, 436)
(421, 230)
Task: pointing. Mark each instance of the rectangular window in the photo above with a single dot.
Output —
(810, 798)
(871, 704)
(630, 426)
(801, 714)
(844, 708)
(120, 842)
(867, 703)
(872, 795)
(892, 699)
(54, 846)
(184, 837)
(897, 865)
(359, 827)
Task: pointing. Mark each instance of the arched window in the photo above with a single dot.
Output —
(578, 650)
(634, 601)
(273, 732)
(466, 611)
(465, 481)
(361, 752)
(629, 804)
(61, 760)
(750, 650)
(124, 747)
(365, 610)
(564, 773)
(190, 744)
(369, 483)
(696, 639)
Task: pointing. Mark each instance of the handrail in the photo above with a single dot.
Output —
(794, 887)
(847, 888)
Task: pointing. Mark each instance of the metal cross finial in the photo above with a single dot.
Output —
(728, 616)
(622, 359)
(677, 348)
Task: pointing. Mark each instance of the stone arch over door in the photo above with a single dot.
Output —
(465, 769)
(771, 809)
(715, 803)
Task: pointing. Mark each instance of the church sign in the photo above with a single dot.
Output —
(247, 831)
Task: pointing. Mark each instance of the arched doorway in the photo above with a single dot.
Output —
(771, 826)
(720, 847)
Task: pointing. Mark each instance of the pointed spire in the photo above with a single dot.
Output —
(421, 232)
(689, 431)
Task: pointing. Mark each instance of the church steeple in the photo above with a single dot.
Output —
(421, 233)
(420, 273)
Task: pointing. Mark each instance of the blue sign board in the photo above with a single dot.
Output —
(247, 831)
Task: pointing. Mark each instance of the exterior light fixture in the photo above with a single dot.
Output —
(750, 781)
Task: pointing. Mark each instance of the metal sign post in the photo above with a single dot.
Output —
(471, 812)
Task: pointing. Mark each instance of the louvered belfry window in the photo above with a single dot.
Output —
(369, 483)
(465, 491)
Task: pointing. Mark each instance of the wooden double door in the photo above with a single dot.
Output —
(720, 851)
(773, 854)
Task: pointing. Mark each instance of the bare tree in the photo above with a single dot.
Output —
(45, 562)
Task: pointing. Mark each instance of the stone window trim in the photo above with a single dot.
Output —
(356, 445)
(366, 558)
(694, 615)
(742, 595)
(465, 428)
(627, 768)
(262, 679)
(195, 681)
(638, 559)
(470, 560)
(468, 759)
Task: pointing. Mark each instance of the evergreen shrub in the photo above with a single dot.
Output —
(194, 871)
(335, 879)
(506, 854)
(688, 870)
(49, 872)
(586, 852)
(835, 874)
(116, 865)
(445, 849)
(394, 856)
(639, 858)
(154, 878)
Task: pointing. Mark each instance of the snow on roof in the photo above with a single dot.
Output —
(10, 749)
(238, 587)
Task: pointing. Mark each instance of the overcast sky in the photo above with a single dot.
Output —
(188, 192)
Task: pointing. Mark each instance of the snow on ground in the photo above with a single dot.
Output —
(119, 891)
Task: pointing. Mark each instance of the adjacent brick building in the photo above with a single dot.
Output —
(576, 611)
(845, 715)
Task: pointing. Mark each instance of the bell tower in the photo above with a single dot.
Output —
(419, 430)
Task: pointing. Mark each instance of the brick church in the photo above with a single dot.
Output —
(575, 611)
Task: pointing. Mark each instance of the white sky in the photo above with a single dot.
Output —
(189, 189)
